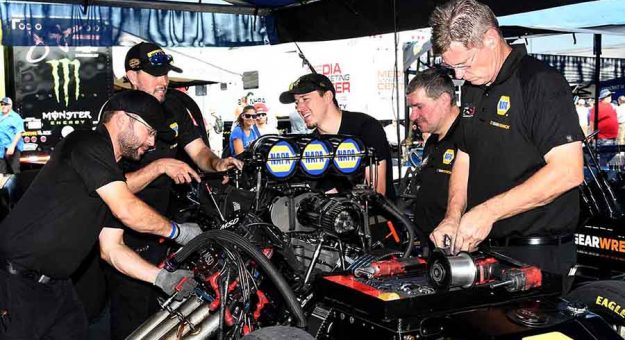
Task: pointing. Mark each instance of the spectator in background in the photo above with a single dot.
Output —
(244, 133)
(582, 113)
(11, 143)
(608, 124)
(262, 116)
(620, 117)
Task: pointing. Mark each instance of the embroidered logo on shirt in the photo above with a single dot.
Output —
(448, 156)
(503, 106)
(468, 111)
(174, 126)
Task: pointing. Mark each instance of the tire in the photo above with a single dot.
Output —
(605, 298)
(279, 333)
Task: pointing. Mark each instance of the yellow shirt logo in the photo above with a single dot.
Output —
(503, 106)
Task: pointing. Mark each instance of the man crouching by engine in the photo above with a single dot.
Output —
(59, 218)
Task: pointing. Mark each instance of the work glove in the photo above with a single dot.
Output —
(179, 282)
(186, 232)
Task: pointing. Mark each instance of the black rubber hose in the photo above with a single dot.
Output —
(385, 204)
(249, 249)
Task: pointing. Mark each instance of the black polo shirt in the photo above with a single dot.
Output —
(156, 194)
(57, 221)
(507, 128)
(370, 132)
(438, 160)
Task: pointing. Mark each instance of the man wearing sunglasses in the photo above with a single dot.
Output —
(147, 67)
(61, 216)
(11, 143)
(514, 183)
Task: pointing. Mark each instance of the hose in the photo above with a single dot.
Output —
(385, 204)
(244, 245)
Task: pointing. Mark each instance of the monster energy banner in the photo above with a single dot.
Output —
(59, 90)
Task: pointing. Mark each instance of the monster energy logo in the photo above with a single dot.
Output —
(65, 70)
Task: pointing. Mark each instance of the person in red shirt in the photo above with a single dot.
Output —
(608, 124)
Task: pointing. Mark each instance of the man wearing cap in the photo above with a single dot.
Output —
(315, 100)
(608, 122)
(513, 186)
(262, 126)
(60, 217)
(147, 67)
(11, 143)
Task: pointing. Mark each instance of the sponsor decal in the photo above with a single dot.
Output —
(315, 158)
(503, 105)
(66, 117)
(599, 242)
(611, 305)
(348, 156)
(281, 159)
(448, 156)
(64, 71)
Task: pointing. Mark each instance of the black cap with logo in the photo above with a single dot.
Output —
(150, 58)
(141, 104)
(305, 84)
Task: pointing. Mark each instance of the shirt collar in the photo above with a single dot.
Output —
(510, 64)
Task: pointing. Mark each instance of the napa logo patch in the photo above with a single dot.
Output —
(448, 156)
(348, 155)
(281, 160)
(503, 105)
(174, 127)
(315, 158)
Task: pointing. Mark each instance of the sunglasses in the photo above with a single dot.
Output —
(157, 59)
(260, 115)
(4, 104)
(151, 131)
(250, 116)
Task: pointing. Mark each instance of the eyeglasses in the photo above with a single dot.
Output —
(260, 115)
(4, 104)
(462, 66)
(250, 116)
(151, 131)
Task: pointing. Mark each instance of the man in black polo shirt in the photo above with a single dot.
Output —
(60, 217)
(519, 162)
(315, 100)
(147, 67)
(431, 98)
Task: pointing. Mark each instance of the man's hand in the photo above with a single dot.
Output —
(177, 170)
(179, 282)
(223, 164)
(10, 151)
(474, 228)
(448, 226)
(187, 232)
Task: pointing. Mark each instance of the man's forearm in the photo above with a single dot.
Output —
(130, 263)
(457, 195)
(16, 139)
(138, 180)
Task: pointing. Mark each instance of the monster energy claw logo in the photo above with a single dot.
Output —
(65, 69)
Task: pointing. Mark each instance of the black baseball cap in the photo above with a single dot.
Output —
(305, 84)
(150, 58)
(141, 104)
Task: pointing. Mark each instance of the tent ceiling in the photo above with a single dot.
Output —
(319, 20)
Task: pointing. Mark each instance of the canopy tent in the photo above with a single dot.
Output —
(233, 23)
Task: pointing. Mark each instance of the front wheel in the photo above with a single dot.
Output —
(605, 298)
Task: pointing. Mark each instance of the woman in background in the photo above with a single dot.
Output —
(244, 133)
